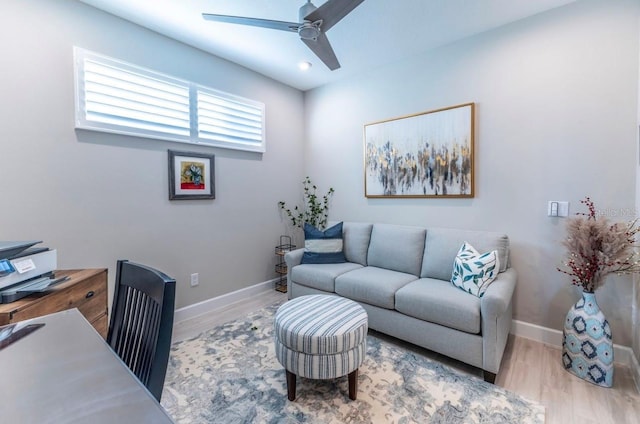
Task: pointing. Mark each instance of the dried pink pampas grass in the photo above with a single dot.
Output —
(597, 248)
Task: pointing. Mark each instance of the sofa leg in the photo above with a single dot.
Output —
(489, 377)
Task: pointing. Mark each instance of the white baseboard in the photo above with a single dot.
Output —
(536, 332)
(208, 305)
(622, 354)
(635, 370)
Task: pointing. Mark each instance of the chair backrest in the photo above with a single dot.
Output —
(142, 322)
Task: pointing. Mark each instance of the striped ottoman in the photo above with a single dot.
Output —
(321, 337)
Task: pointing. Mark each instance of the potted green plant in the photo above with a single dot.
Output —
(315, 209)
(596, 248)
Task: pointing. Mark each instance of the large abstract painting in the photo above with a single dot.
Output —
(428, 154)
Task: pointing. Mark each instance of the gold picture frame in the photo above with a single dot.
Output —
(427, 154)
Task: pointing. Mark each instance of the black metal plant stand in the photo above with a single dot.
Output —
(281, 267)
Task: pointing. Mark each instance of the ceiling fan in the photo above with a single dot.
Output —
(314, 23)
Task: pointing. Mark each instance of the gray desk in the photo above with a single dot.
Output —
(64, 372)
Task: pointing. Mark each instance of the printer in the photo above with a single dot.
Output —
(25, 269)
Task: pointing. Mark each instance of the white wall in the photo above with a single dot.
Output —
(96, 197)
(556, 98)
(557, 101)
(636, 286)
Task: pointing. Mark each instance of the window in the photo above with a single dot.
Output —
(224, 119)
(117, 97)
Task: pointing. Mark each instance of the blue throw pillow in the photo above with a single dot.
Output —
(323, 247)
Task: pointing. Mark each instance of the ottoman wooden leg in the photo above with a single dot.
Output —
(291, 385)
(353, 385)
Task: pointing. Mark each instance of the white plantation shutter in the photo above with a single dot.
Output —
(229, 119)
(129, 99)
(223, 118)
(121, 98)
(117, 97)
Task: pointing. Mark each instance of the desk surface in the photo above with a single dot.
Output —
(64, 372)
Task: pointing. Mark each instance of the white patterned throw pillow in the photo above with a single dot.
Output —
(472, 271)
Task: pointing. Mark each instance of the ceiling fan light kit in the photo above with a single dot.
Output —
(314, 23)
(309, 31)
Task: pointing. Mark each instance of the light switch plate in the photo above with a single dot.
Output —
(557, 208)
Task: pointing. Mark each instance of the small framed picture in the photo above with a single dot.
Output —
(191, 176)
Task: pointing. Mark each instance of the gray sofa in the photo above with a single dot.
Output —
(401, 276)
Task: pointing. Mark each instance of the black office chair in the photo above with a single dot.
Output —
(142, 321)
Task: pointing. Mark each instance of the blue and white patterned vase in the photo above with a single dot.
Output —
(587, 347)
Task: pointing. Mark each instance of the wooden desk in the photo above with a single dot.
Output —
(64, 372)
(86, 290)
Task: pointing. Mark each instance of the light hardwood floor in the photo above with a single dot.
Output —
(531, 369)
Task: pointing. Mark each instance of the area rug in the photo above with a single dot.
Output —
(230, 374)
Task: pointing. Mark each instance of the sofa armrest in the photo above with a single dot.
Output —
(496, 311)
(292, 259)
(498, 296)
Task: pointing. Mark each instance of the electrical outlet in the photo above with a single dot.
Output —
(194, 279)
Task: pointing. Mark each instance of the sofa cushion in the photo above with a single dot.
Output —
(356, 236)
(323, 247)
(398, 248)
(441, 303)
(442, 245)
(320, 276)
(472, 271)
(375, 286)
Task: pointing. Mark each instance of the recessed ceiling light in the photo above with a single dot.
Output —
(304, 65)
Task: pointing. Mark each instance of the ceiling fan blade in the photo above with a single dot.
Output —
(263, 23)
(332, 11)
(322, 48)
